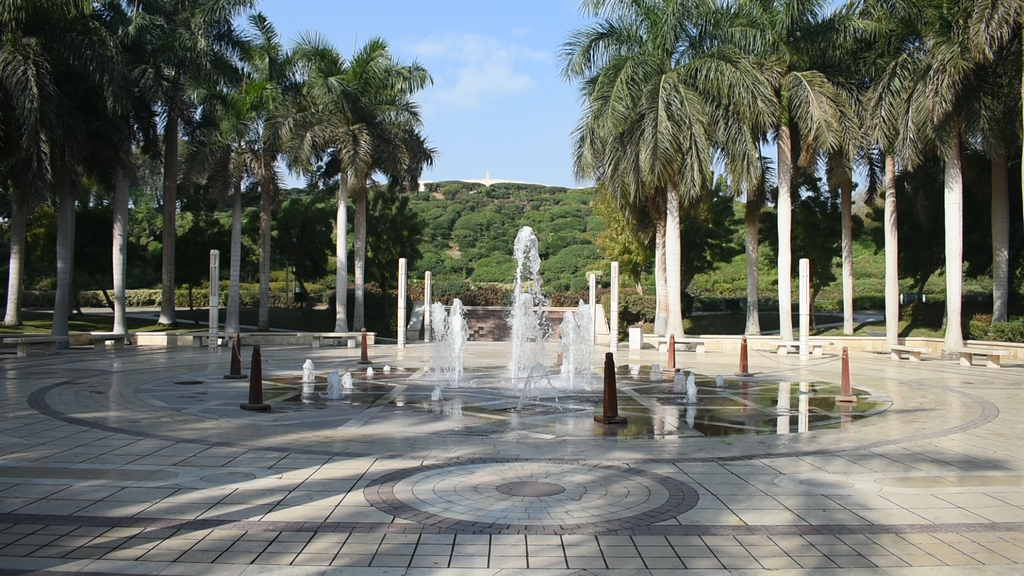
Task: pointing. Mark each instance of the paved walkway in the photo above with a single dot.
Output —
(140, 462)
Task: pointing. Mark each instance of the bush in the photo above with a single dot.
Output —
(1012, 331)
(924, 313)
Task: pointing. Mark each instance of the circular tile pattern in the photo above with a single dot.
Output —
(530, 489)
(500, 497)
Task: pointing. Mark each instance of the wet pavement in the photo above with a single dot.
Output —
(141, 462)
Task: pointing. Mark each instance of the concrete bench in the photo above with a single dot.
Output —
(992, 357)
(48, 343)
(681, 343)
(349, 339)
(817, 348)
(914, 354)
(99, 339)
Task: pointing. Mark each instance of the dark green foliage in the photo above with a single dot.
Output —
(192, 267)
(497, 268)
(304, 227)
(982, 328)
(707, 233)
(394, 231)
(920, 217)
(566, 271)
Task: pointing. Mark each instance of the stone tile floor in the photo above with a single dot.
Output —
(106, 468)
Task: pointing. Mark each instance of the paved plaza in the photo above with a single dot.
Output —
(141, 462)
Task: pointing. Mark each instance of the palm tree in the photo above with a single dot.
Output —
(56, 66)
(795, 34)
(185, 40)
(995, 24)
(268, 63)
(656, 87)
(225, 151)
(359, 117)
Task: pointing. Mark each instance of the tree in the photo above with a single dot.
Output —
(628, 238)
(304, 238)
(817, 231)
(797, 35)
(399, 236)
(654, 99)
(707, 232)
(183, 42)
(358, 117)
(205, 233)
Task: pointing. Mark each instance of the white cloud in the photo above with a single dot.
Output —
(471, 68)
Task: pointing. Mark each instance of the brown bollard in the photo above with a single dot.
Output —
(255, 403)
(846, 393)
(236, 359)
(670, 365)
(744, 367)
(364, 357)
(611, 394)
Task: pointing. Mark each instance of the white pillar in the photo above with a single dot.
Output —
(403, 280)
(804, 407)
(428, 297)
(214, 297)
(782, 420)
(593, 307)
(613, 326)
(805, 306)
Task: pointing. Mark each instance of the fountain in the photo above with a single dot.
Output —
(387, 369)
(656, 373)
(577, 347)
(307, 371)
(333, 386)
(369, 372)
(526, 320)
(691, 389)
(719, 381)
(436, 395)
(346, 381)
(450, 336)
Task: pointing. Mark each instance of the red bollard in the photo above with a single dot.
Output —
(236, 359)
(744, 367)
(255, 403)
(670, 365)
(364, 357)
(611, 394)
(846, 394)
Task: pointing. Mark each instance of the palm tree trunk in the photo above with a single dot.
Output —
(341, 258)
(120, 249)
(65, 250)
(673, 264)
(168, 316)
(263, 323)
(751, 219)
(892, 271)
(359, 320)
(784, 206)
(953, 203)
(846, 201)
(231, 322)
(19, 221)
(1000, 240)
(660, 277)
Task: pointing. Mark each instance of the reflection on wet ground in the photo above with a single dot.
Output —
(655, 404)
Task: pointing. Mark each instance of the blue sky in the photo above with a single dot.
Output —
(498, 103)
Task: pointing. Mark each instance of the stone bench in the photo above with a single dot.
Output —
(350, 339)
(99, 339)
(914, 354)
(817, 348)
(992, 357)
(661, 342)
(48, 343)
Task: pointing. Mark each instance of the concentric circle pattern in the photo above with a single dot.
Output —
(501, 497)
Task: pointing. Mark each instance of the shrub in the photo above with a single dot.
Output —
(1012, 331)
